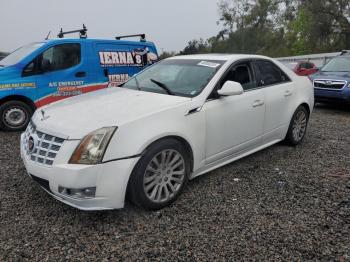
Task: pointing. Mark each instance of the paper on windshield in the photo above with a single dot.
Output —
(208, 64)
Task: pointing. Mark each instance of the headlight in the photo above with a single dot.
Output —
(92, 148)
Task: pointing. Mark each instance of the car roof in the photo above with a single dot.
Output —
(221, 57)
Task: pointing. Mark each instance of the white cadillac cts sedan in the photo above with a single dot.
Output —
(174, 121)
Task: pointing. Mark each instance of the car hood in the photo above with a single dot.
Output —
(331, 76)
(8, 73)
(75, 117)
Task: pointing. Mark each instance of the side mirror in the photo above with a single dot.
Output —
(231, 88)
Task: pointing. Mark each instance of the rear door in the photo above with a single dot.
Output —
(118, 62)
(279, 93)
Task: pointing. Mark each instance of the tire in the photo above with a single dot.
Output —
(160, 175)
(15, 115)
(298, 126)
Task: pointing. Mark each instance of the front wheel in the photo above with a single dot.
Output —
(15, 115)
(297, 127)
(160, 175)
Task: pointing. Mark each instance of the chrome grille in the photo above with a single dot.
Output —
(329, 84)
(45, 146)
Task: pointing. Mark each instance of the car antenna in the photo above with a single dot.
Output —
(142, 37)
(47, 37)
(82, 32)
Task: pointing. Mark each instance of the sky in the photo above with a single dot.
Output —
(170, 24)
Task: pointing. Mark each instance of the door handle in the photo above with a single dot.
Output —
(80, 74)
(258, 103)
(288, 93)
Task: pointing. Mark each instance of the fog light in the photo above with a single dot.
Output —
(88, 192)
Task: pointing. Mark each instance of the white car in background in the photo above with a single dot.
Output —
(174, 121)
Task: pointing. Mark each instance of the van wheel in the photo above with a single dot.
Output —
(297, 127)
(160, 175)
(15, 115)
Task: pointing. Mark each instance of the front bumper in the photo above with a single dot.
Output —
(110, 179)
(342, 95)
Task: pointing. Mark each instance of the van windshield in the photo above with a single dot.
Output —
(339, 64)
(181, 77)
(19, 54)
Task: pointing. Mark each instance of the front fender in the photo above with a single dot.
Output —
(134, 137)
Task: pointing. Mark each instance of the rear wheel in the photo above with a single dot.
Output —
(15, 115)
(160, 175)
(298, 126)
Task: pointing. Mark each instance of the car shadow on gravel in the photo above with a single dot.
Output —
(336, 107)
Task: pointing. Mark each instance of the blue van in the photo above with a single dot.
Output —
(44, 72)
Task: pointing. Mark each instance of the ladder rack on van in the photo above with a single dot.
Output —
(82, 32)
(142, 37)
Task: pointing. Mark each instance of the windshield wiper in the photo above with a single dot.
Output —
(163, 86)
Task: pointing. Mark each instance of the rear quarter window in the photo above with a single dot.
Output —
(270, 73)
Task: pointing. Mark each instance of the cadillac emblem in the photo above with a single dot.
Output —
(43, 115)
(31, 144)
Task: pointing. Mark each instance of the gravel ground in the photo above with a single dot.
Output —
(282, 203)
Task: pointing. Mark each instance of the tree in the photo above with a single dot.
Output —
(195, 47)
(279, 27)
(166, 54)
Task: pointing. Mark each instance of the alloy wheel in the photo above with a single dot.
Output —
(164, 176)
(299, 125)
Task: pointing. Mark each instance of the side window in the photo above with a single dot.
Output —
(29, 69)
(271, 74)
(32, 68)
(61, 57)
(55, 58)
(241, 73)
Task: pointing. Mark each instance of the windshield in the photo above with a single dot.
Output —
(181, 77)
(19, 54)
(339, 64)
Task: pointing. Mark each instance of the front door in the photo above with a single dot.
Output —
(61, 72)
(234, 124)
